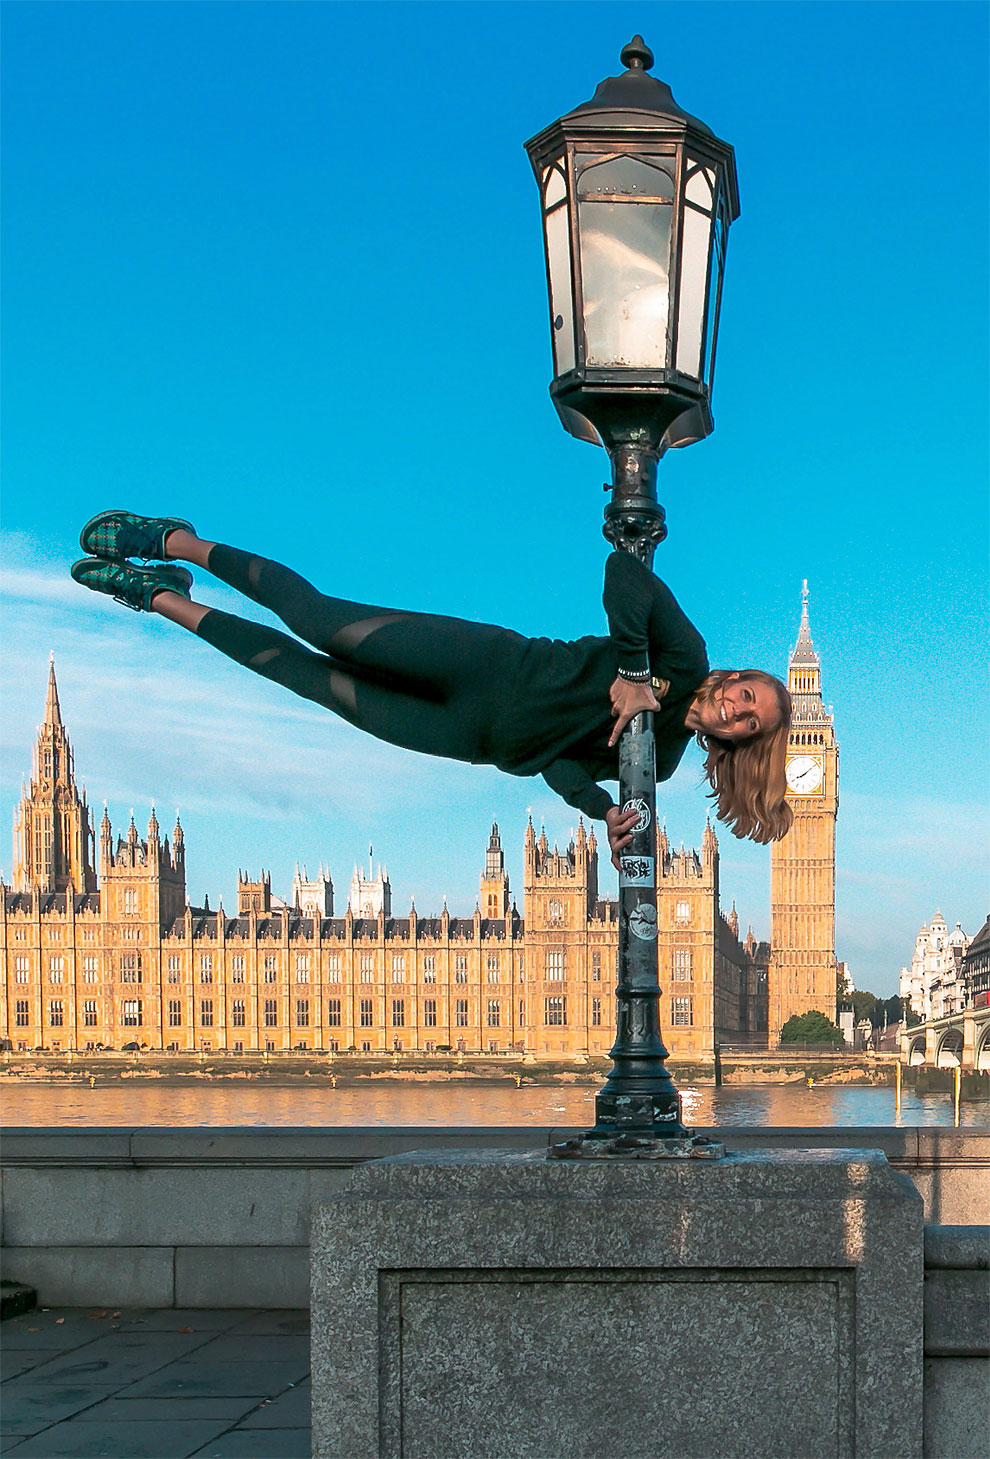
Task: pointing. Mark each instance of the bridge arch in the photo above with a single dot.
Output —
(948, 1051)
(916, 1051)
(983, 1049)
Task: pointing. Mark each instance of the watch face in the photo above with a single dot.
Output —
(805, 774)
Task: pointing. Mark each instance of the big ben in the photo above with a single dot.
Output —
(802, 864)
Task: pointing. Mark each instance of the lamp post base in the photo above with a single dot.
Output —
(651, 1115)
(635, 1147)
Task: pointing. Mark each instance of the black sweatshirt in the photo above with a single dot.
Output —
(557, 718)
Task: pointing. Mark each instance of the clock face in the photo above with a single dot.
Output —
(805, 774)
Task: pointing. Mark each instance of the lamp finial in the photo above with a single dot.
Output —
(636, 56)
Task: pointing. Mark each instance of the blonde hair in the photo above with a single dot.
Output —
(747, 776)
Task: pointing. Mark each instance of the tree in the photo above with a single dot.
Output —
(863, 1004)
(811, 1028)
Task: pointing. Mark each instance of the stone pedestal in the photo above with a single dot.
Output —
(488, 1305)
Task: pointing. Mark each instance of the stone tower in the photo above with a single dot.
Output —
(371, 895)
(53, 827)
(493, 898)
(313, 898)
(143, 881)
(802, 865)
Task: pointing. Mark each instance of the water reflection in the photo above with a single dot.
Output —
(395, 1103)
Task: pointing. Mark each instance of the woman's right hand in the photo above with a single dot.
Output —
(619, 825)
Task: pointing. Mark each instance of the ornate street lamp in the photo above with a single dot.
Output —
(637, 200)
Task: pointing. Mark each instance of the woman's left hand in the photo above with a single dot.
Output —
(629, 697)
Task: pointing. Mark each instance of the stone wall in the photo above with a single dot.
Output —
(217, 1217)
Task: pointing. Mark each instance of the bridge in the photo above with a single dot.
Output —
(959, 1040)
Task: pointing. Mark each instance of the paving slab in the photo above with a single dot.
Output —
(119, 1357)
(174, 1319)
(231, 1347)
(288, 1411)
(154, 1439)
(11, 1443)
(193, 1378)
(58, 1330)
(259, 1444)
(30, 1407)
(21, 1360)
(289, 1322)
(123, 1410)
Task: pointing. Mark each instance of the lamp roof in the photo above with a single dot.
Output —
(635, 91)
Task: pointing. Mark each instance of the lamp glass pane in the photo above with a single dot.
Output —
(694, 275)
(561, 305)
(698, 190)
(625, 262)
(718, 263)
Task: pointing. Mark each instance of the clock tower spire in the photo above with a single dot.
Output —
(802, 865)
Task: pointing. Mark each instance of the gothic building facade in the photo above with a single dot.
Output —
(115, 957)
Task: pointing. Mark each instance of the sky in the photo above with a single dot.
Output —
(277, 268)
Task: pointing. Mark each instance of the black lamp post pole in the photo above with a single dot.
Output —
(639, 1097)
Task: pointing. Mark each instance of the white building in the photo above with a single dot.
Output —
(312, 898)
(934, 983)
(371, 895)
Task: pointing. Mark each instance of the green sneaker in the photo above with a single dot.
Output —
(133, 586)
(119, 535)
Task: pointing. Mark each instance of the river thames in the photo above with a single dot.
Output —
(392, 1102)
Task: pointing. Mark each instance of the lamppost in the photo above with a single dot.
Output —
(637, 200)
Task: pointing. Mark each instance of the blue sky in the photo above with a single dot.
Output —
(277, 268)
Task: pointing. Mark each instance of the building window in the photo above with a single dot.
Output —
(333, 1013)
(554, 965)
(555, 1012)
(89, 1013)
(682, 964)
(494, 1013)
(132, 1013)
(174, 968)
(682, 913)
(270, 967)
(367, 967)
(130, 902)
(335, 1046)
(367, 1013)
(237, 968)
(398, 967)
(206, 1013)
(333, 967)
(365, 1046)
(21, 1013)
(429, 1013)
(56, 969)
(302, 1013)
(130, 967)
(460, 967)
(302, 967)
(429, 969)
(238, 1046)
(460, 1012)
(271, 1018)
(398, 1013)
(596, 1013)
(596, 967)
(22, 970)
(55, 934)
(682, 1016)
(555, 909)
(91, 970)
(131, 934)
(237, 1019)
(206, 968)
(174, 1013)
(492, 967)
(522, 1010)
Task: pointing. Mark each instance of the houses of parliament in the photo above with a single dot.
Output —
(101, 948)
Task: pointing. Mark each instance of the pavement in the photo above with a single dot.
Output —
(163, 1384)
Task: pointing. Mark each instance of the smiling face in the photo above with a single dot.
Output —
(734, 709)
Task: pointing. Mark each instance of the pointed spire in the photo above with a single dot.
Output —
(53, 712)
(132, 834)
(152, 825)
(804, 649)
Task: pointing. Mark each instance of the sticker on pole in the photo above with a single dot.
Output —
(643, 922)
(635, 871)
(643, 812)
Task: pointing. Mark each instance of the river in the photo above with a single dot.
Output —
(392, 1102)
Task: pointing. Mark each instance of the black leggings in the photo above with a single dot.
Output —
(414, 679)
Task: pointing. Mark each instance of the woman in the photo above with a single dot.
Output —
(471, 691)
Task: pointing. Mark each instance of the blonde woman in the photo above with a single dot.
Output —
(475, 692)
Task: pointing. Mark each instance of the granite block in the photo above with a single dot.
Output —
(957, 1314)
(259, 1444)
(465, 1301)
(67, 1276)
(957, 1405)
(208, 1276)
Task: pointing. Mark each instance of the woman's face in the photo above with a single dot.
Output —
(736, 709)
